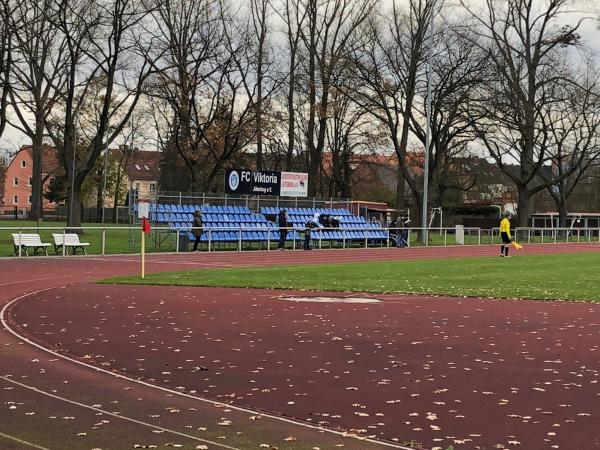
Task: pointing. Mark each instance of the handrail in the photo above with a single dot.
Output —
(439, 236)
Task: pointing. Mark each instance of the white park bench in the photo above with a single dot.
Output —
(69, 240)
(29, 240)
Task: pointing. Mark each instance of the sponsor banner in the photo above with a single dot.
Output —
(239, 181)
(248, 182)
(294, 184)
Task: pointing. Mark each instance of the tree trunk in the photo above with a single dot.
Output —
(99, 201)
(74, 218)
(523, 207)
(400, 189)
(37, 150)
(115, 208)
(562, 209)
(289, 154)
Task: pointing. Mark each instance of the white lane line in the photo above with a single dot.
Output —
(118, 416)
(21, 441)
(4, 323)
(34, 279)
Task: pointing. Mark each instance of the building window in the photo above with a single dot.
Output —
(23, 164)
(16, 200)
(29, 200)
(137, 186)
(30, 181)
(152, 187)
(15, 181)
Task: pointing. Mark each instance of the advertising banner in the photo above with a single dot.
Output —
(294, 184)
(239, 181)
(248, 182)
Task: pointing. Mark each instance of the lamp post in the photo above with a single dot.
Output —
(71, 210)
(424, 209)
(104, 180)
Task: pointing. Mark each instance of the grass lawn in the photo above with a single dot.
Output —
(117, 241)
(550, 277)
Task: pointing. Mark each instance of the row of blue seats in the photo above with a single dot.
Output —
(342, 219)
(225, 209)
(229, 225)
(348, 235)
(190, 209)
(305, 211)
(248, 236)
(172, 217)
(214, 217)
(178, 217)
(264, 236)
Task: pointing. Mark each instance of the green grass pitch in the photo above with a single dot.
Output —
(545, 277)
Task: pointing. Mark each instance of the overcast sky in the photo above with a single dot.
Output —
(13, 139)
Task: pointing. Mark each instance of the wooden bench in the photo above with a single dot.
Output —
(29, 240)
(71, 240)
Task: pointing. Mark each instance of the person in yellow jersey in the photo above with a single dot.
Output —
(505, 235)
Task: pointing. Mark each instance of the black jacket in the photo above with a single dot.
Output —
(197, 225)
(282, 220)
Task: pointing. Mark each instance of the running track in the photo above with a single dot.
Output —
(470, 373)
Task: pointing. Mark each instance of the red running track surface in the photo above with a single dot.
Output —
(464, 372)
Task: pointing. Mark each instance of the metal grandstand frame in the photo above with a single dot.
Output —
(161, 236)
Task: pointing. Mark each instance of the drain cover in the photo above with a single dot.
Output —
(322, 299)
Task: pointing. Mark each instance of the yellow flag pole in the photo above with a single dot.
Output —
(143, 254)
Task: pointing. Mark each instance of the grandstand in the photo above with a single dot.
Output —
(237, 224)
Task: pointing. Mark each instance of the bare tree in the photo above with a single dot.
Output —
(527, 50)
(103, 49)
(389, 68)
(37, 80)
(459, 69)
(294, 16)
(573, 125)
(260, 10)
(7, 32)
(330, 35)
(202, 71)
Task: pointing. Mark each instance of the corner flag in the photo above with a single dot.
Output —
(145, 226)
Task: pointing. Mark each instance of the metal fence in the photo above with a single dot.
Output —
(103, 240)
(252, 202)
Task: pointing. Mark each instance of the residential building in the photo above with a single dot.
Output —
(142, 172)
(17, 179)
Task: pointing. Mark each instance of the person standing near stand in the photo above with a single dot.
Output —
(282, 221)
(197, 229)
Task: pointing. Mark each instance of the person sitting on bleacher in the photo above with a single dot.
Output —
(197, 229)
(325, 220)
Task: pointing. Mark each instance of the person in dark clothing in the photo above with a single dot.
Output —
(404, 223)
(282, 221)
(394, 232)
(197, 229)
(307, 229)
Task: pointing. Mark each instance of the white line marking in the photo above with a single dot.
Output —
(118, 416)
(171, 391)
(35, 279)
(21, 441)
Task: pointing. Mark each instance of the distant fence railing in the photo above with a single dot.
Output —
(104, 240)
(252, 202)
